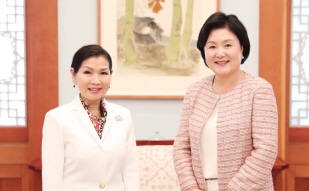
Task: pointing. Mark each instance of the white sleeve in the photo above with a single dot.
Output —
(131, 174)
(52, 154)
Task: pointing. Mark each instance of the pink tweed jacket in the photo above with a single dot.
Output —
(247, 137)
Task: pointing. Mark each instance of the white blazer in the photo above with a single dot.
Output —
(74, 158)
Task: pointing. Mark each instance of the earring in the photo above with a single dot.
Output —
(242, 57)
(74, 86)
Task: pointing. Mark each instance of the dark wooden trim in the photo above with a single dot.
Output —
(280, 164)
(154, 142)
(36, 165)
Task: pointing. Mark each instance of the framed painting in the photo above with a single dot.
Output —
(153, 45)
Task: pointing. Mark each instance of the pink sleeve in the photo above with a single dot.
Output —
(182, 150)
(255, 173)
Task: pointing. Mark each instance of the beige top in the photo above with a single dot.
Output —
(209, 146)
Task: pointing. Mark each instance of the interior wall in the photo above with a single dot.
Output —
(77, 26)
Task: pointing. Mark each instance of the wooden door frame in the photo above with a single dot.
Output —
(274, 57)
(274, 66)
(273, 61)
(20, 146)
(42, 67)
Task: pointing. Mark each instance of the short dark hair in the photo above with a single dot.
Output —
(89, 51)
(221, 20)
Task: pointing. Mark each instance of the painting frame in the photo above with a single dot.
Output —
(150, 87)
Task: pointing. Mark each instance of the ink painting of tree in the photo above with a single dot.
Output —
(158, 37)
(153, 45)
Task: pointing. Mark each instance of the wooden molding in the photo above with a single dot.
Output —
(154, 142)
(273, 58)
(298, 135)
(298, 153)
(13, 153)
(13, 134)
(42, 67)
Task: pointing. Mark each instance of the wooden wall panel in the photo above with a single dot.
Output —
(290, 178)
(299, 135)
(302, 171)
(21, 146)
(42, 71)
(13, 153)
(10, 171)
(273, 58)
(10, 184)
(14, 177)
(298, 154)
(273, 62)
(302, 184)
(35, 182)
(13, 134)
(42, 67)
(274, 66)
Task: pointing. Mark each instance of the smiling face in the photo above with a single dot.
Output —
(92, 79)
(223, 52)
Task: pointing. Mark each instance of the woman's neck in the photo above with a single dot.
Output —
(222, 84)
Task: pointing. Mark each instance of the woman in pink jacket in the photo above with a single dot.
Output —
(227, 139)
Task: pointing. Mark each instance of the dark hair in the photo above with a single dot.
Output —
(89, 51)
(220, 20)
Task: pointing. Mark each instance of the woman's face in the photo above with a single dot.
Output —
(223, 52)
(93, 79)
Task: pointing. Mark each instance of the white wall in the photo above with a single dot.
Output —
(77, 22)
(248, 13)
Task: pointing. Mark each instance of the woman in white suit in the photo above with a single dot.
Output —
(89, 143)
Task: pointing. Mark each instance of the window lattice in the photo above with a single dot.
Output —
(12, 63)
(300, 64)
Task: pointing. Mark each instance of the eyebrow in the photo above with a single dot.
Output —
(92, 68)
(223, 41)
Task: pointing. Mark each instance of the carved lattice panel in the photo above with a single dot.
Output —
(299, 64)
(12, 63)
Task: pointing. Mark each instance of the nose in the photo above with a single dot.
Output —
(220, 52)
(95, 80)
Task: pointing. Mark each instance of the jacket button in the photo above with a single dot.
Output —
(102, 185)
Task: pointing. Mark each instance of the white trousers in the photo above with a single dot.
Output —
(212, 185)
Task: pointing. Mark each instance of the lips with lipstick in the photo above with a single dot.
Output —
(222, 63)
(94, 90)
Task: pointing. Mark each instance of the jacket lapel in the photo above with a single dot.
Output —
(204, 107)
(110, 118)
(82, 116)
